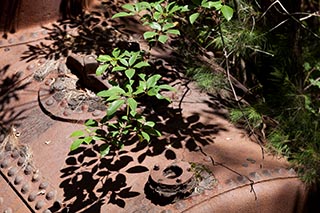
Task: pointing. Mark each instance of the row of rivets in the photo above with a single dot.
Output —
(26, 187)
(21, 39)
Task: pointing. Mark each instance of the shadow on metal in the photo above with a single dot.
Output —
(9, 88)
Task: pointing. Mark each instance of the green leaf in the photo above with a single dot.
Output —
(152, 81)
(156, 16)
(216, 4)
(104, 149)
(149, 34)
(141, 64)
(133, 105)
(129, 7)
(158, 7)
(91, 123)
(116, 52)
(150, 123)
(97, 138)
(133, 59)
(185, 8)
(175, 32)
(227, 12)
(123, 61)
(167, 87)
(104, 58)
(142, 76)
(122, 14)
(163, 39)
(101, 69)
(315, 83)
(87, 140)
(145, 135)
(118, 68)
(155, 25)
(116, 90)
(75, 144)
(174, 9)
(77, 133)
(168, 26)
(130, 73)
(114, 106)
(193, 17)
(153, 91)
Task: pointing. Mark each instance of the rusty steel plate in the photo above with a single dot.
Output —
(203, 161)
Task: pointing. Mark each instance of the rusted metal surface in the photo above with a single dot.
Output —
(213, 165)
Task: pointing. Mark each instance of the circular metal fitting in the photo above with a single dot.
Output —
(169, 182)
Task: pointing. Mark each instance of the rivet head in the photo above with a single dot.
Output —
(4, 164)
(50, 195)
(1, 155)
(42, 60)
(35, 178)
(8, 147)
(47, 211)
(50, 102)
(15, 154)
(30, 67)
(25, 188)
(28, 170)
(43, 185)
(96, 113)
(32, 196)
(21, 161)
(156, 167)
(12, 171)
(39, 204)
(7, 210)
(18, 180)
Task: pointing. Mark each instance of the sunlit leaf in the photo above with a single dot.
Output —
(116, 52)
(133, 105)
(101, 69)
(91, 123)
(114, 106)
(130, 73)
(172, 31)
(133, 59)
(104, 150)
(87, 140)
(129, 7)
(141, 64)
(167, 87)
(77, 133)
(104, 58)
(163, 39)
(145, 135)
(116, 90)
(227, 12)
(75, 144)
(152, 81)
(118, 68)
(150, 123)
(122, 14)
(124, 61)
(155, 25)
(193, 17)
(149, 34)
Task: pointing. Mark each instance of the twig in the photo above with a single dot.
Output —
(234, 92)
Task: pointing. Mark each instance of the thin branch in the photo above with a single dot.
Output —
(226, 55)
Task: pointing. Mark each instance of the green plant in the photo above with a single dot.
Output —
(126, 73)
(157, 15)
(129, 84)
